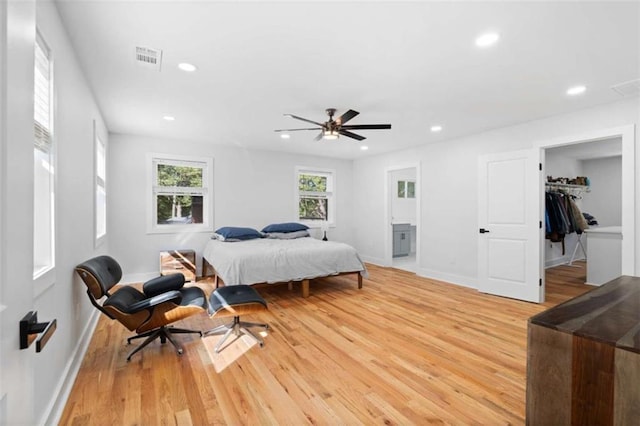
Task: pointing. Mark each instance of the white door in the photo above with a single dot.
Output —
(509, 225)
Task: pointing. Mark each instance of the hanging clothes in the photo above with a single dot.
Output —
(562, 217)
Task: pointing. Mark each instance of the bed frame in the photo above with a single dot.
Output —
(206, 266)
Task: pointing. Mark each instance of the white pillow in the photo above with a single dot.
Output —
(287, 235)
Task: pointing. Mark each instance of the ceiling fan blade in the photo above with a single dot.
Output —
(304, 119)
(295, 130)
(347, 116)
(320, 135)
(367, 126)
(351, 135)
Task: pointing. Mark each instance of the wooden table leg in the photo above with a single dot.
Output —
(359, 280)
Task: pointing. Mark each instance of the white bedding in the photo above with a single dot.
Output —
(268, 260)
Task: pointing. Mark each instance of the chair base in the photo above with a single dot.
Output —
(164, 333)
(238, 328)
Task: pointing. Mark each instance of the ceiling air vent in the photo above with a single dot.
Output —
(629, 88)
(148, 57)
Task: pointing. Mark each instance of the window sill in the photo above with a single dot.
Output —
(100, 240)
(179, 229)
(315, 225)
(44, 281)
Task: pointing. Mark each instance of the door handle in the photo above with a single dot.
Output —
(483, 231)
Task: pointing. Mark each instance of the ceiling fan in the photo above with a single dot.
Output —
(332, 129)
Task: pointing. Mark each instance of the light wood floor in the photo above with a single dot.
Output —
(402, 350)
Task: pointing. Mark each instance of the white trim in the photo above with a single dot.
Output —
(448, 278)
(44, 281)
(58, 401)
(627, 134)
(388, 226)
(374, 260)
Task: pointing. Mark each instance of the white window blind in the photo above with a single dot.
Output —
(42, 97)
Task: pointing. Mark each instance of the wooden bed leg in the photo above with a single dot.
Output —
(305, 288)
(290, 285)
(359, 280)
(205, 265)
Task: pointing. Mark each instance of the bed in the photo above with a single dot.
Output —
(271, 261)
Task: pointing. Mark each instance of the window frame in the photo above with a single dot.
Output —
(153, 159)
(99, 142)
(405, 187)
(44, 276)
(330, 195)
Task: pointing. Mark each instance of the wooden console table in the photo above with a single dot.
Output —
(583, 359)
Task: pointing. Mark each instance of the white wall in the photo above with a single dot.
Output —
(251, 188)
(36, 383)
(449, 190)
(604, 201)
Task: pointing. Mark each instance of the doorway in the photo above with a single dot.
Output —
(403, 216)
(588, 175)
(606, 157)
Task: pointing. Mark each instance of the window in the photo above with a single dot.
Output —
(406, 189)
(43, 164)
(315, 203)
(101, 188)
(181, 199)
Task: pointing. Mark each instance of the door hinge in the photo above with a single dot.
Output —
(540, 166)
(540, 282)
(540, 224)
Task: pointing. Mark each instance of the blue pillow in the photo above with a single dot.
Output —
(285, 227)
(234, 232)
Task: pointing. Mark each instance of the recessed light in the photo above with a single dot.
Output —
(364, 148)
(184, 66)
(285, 136)
(488, 39)
(168, 118)
(576, 90)
(436, 129)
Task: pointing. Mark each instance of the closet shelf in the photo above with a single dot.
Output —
(583, 188)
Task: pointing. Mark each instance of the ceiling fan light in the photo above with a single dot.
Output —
(330, 134)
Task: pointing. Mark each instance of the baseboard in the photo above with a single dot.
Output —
(374, 260)
(449, 278)
(54, 410)
(551, 263)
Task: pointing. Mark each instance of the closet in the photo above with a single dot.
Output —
(583, 197)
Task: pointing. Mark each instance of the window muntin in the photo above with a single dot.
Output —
(180, 194)
(43, 163)
(315, 202)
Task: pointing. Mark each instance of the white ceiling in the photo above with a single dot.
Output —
(411, 64)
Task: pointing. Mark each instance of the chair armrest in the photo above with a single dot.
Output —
(170, 296)
(163, 284)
